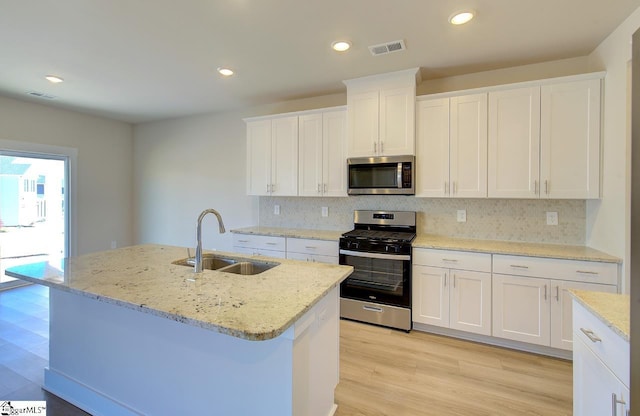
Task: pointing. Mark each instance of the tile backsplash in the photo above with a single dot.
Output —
(491, 219)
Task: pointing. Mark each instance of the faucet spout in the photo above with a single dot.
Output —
(198, 259)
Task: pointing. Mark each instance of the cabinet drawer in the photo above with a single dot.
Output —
(310, 246)
(573, 270)
(611, 348)
(312, 257)
(462, 260)
(265, 242)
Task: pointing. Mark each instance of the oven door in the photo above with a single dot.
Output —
(377, 277)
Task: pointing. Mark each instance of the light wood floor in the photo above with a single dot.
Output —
(388, 372)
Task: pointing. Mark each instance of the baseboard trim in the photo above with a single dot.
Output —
(498, 342)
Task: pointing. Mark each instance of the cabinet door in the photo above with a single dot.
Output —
(310, 155)
(284, 160)
(432, 147)
(397, 121)
(362, 124)
(514, 143)
(334, 142)
(570, 140)
(430, 303)
(561, 305)
(594, 385)
(468, 146)
(258, 157)
(521, 308)
(470, 301)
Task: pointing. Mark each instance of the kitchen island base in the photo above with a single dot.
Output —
(112, 360)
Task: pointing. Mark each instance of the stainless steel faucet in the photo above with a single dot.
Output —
(198, 262)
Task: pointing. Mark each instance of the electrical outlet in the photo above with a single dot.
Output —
(325, 211)
(276, 210)
(114, 244)
(552, 218)
(462, 215)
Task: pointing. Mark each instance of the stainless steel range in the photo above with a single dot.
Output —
(379, 249)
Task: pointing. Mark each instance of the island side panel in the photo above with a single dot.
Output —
(112, 360)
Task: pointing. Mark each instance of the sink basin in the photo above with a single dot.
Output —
(248, 267)
(229, 265)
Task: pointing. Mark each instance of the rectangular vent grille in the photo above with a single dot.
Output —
(385, 48)
(41, 95)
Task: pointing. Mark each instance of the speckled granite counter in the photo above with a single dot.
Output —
(557, 251)
(612, 309)
(291, 232)
(143, 278)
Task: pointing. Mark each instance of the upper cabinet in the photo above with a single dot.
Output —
(451, 158)
(272, 156)
(544, 141)
(381, 114)
(322, 169)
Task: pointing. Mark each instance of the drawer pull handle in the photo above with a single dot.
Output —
(614, 404)
(589, 333)
(517, 266)
(243, 241)
(450, 260)
(271, 244)
(311, 247)
(372, 309)
(586, 272)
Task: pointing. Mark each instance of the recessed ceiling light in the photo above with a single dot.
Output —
(340, 45)
(54, 79)
(460, 18)
(225, 71)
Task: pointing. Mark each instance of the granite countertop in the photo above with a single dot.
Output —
(255, 307)
(291, 232)
(611, 308)
(557, 251)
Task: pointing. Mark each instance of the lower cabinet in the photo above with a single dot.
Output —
(304, 249)
(600, 368)
(452, 296)
(537, 309)
(264, 245)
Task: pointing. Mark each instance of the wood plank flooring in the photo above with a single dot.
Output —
(388, 372)
(382, 371)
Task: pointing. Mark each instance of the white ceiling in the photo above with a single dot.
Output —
(143, 60)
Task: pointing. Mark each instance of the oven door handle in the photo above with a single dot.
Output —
(400, 257)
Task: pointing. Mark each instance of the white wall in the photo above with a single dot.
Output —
(608, 220)
(104, 166)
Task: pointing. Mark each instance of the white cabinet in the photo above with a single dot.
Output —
(530, 299)
(272, 156)
(570, 140)
(322, 166)
(452, 147)
(381, 114)
(304, 249)
(600, 368)
(544, 141)
(260, 244)
(514, 143)
(452, 289)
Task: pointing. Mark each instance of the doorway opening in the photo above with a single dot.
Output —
(34, 221)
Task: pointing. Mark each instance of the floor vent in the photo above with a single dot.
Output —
(41, 95)
(385, 48)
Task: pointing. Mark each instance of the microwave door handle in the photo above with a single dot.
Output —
(399, 175)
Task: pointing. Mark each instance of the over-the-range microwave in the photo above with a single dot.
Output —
(383, 175)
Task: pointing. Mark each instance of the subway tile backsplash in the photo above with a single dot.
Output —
(490, 219)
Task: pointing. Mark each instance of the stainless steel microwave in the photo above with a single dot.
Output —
(384, 175)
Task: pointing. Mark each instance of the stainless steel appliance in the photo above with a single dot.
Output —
(386, 175)
(379, 249)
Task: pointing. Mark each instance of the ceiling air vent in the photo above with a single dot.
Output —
(385, 48)
(41, 95)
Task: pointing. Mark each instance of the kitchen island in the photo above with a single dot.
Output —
(133, 333)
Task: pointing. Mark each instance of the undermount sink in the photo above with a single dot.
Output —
(229, 265)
